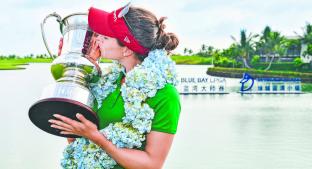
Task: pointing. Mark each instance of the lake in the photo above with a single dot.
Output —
(230, 131)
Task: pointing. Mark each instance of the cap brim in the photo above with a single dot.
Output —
(98, 21)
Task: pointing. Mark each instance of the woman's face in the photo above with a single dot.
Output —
(109, 47)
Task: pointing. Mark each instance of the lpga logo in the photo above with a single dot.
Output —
(246, 79)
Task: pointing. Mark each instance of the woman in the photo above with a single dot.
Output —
(137, 106)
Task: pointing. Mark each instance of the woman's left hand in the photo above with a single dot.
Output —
(83, 127)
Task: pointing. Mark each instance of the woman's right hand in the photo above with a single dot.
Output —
(70, 140)
(94, 53)
(94, 50)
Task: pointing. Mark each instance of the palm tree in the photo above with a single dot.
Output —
(203, 48)
(206, 50)
(245, 45)
(190, 51)
(210, 50)
(293, 46)
(271, 45)
(275, 46)
(263, 46)
(185, 51)
(306, 38)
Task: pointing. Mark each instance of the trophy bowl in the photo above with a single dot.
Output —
(72, 70)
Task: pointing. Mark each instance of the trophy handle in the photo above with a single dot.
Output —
(59, 20)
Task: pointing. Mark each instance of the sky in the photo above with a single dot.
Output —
(196, 22)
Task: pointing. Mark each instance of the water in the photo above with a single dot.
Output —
(215, 131)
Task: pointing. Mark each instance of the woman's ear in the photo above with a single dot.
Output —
(127, 52)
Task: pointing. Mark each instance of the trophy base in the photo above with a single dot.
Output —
(43, 110)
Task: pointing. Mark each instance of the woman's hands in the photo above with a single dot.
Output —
(153, 156)
(83, 127)
(94, 53)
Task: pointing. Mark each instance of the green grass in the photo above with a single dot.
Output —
(191, 60)
(4, 66)
(26, 60)
(16, 64)
(12, 64)
(306, 87)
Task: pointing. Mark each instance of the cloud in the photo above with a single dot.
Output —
(195, 22)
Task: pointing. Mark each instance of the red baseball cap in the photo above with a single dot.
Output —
(113, 24)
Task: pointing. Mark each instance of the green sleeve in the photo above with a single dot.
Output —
(166, 105)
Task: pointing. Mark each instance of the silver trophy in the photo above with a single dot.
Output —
(72, 70)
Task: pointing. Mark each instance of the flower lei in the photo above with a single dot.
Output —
(142, 82)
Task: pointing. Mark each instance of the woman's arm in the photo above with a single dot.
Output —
(156, 150)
